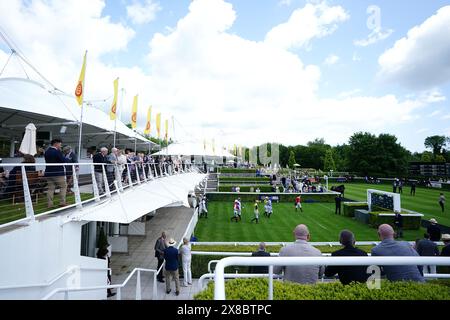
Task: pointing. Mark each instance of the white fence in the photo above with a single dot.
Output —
(219, 277)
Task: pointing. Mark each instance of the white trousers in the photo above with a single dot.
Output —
(187, 275)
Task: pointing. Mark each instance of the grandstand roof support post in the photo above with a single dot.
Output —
(27, 196)
(76, 189)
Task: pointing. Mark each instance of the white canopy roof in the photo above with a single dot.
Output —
(193, 149)
(33, 100)
(143, 199)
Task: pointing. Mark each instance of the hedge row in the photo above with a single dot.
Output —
(262, 187)
(283, 197)
(409, 222)
(257, 289)
(350, 207)
(236, 170)
(252, 179)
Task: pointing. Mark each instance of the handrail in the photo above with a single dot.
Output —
(46, 284)
(113, 286)
(219, 278)
(132, 178)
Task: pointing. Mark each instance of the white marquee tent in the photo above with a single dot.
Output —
(193, 149)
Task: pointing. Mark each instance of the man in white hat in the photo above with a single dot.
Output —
(434, 231)
(171, 268)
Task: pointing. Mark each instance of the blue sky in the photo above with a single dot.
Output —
(250, 71)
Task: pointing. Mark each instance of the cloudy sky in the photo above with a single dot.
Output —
(250, 71)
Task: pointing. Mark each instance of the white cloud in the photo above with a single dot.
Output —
(213, 81)
(312, 21)
(331, 59)
(286, 3)
(374, 37)
(421, 59)
(446, 117)
(432, 96)
(434, 113)
(347, 94)
(142, 13)
(423, 130)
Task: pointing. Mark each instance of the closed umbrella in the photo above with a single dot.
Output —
(28, 145)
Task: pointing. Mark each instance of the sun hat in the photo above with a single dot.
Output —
(171, 242)
(432, 220)
(445, 237)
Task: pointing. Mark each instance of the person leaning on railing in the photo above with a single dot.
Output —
(55, 174)
(12, 186)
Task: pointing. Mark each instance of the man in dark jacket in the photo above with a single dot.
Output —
(260, 253)
(56, 175)
(100, 157)
(434, 231)
(427, 248)
(160, 246)
(338, 201)
(398, 222)
(348, 274)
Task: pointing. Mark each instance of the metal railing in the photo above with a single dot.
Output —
(119, 287)
(27, 190)
(219, 276)
(69, 271)
(315, 244)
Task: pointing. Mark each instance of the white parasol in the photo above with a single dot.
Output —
(28, 145)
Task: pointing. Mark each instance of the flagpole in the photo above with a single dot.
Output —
(82, 107)
(115, 120)
(81, 129)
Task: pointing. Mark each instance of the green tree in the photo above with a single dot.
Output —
(426, 156)
(436, 143)
(329, 163)
(291, 161)
(372, 155)
(439, 158)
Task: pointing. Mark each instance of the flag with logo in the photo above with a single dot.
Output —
(167, 130)
(113, 112)
(79, 90)
(149, 117)
(134, 112)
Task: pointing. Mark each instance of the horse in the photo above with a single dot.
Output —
(340, 189)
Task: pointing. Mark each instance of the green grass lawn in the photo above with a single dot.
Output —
(323, 224)
(425, 201)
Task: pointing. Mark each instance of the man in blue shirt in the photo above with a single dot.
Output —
(171, 268)
(389, 247)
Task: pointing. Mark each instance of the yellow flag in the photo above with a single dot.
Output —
(79, 91)
(134, 112)
(113, 112)
(158, 124)
(167, 130)
(149, 117)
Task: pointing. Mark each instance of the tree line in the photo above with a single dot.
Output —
(365, 154)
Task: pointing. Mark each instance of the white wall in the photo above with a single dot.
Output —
(38, 253)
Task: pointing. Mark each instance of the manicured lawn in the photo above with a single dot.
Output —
(323, 224)
(425, 201)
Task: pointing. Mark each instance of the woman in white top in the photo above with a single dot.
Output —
(185, 252)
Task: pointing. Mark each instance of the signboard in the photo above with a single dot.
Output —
(383, 199)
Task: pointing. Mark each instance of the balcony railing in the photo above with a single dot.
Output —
(31, 190)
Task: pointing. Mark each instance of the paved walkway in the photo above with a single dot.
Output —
(141, 254)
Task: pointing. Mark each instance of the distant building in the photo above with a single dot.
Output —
(429, 169)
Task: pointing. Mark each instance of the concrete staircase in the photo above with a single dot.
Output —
(213, 182)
